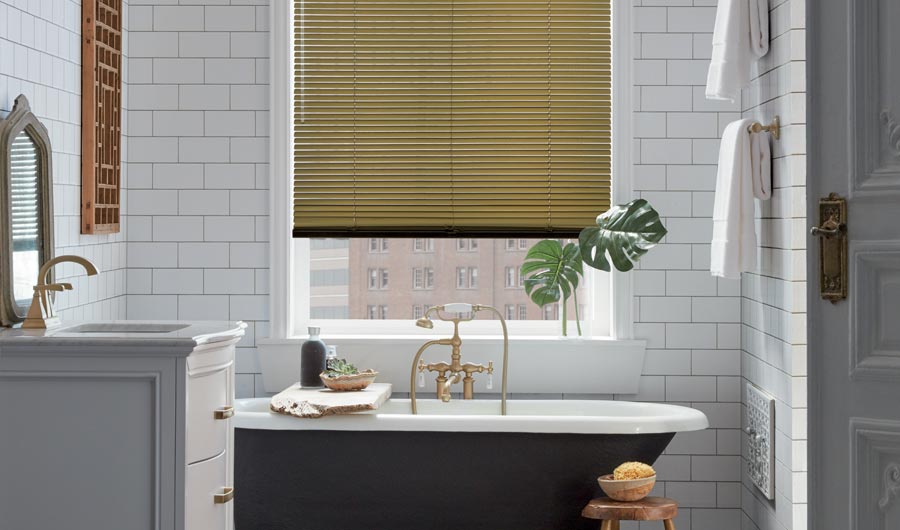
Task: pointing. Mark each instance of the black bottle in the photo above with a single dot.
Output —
(312, 360)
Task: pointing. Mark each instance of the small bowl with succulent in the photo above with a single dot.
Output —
(632, 481)
(341, 376)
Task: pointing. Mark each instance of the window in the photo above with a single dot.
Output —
(467, 245)
(418, 311)
(510, 276)
(378, 279)
(510, 312)
(378, 245)
(425, 244)
(523, 244)
(551, 312)
(308, 302)
(373, 312)
(467, 277)
(423, 278)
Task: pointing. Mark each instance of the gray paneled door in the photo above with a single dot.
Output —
(854, 344)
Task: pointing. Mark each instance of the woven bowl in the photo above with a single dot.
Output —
(626, 490)
(348, 383)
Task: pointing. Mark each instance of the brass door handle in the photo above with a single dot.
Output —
(226, 496)
(825, 231)
(224, 413)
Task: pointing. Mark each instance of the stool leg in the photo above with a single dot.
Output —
(669, 524)
(606, 525)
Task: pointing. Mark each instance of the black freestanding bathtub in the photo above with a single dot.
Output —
(458, 466)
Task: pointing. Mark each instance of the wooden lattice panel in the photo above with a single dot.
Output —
(101, 113)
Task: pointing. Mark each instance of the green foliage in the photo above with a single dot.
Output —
(338, 367)
(624, 233)
(552, 273)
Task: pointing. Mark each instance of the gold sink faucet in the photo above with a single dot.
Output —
(451, 373)
(41, 314)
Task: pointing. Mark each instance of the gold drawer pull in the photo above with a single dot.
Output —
(226, 496)
(224, 413)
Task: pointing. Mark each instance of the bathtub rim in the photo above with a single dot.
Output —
(667, 418)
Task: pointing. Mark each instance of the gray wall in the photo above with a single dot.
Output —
(40, 56)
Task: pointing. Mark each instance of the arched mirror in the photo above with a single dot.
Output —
(26, 212)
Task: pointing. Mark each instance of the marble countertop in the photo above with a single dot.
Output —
(121, 336)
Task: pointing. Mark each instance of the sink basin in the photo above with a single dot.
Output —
(125, 327)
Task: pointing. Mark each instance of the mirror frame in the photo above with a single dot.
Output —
(21, 119)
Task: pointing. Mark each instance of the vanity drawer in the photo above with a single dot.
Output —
(209, 407)
(207, 495)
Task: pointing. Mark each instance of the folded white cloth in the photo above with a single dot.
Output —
(744, 172)
(740, 37)
(761, 166)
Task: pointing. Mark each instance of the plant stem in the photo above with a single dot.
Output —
(577, 318)
(565, 334)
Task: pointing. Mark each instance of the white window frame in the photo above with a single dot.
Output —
(288, 268)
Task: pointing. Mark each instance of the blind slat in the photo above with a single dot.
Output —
(456, 117)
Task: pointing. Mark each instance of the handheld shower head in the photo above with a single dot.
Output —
(425, 323)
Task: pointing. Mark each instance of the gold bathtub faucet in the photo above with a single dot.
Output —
(455, 371)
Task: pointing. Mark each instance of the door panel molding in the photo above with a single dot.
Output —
(874, 333)
(874, 473)
(874, 132)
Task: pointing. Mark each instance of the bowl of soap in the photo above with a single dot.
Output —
(632, 481)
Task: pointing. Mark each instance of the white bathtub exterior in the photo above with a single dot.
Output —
(529, 416)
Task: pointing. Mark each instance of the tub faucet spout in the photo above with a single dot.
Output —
(455, 371)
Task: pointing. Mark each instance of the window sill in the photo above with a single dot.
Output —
(538, 364)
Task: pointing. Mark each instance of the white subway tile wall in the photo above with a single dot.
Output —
(40, 57)
(773, 302)
(198, 217)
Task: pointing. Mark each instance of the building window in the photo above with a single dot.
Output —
(378, 279)
(378, 245)
(373, 279)
(510, 244)
(384, 312)
(461, 278)
(418, 311)
(510, 275)
(423, 278)
(423, 244)
(551, 312)
(373, 312)
(510, 312)
(523, 244)
(467, 277)
(467, 245)
(384, 278)
(523, 312)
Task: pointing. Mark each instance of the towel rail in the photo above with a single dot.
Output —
(773, 128)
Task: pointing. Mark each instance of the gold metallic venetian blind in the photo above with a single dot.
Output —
(451, 117)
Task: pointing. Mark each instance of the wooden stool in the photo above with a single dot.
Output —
(646, 509)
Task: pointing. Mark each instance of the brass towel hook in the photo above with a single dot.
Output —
(773, 128)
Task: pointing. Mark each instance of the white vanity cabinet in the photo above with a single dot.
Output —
(113, 429)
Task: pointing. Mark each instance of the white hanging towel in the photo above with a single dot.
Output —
(740, 37)
(744, 167)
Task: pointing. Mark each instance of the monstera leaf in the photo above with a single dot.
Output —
(551, 272)
(624, 233)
